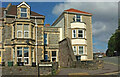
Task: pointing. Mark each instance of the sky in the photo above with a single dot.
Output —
(104, 19)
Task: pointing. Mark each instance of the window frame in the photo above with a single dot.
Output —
(80, 33)
(26, 30)
(17, 54)
(79, 49)
(75, 53)
(74, 33)
(78, 18)
(23, 12)
(27, 56)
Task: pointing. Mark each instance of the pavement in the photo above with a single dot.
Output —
(110, 68)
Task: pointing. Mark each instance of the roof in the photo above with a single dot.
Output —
(77, 11)
(13, 11)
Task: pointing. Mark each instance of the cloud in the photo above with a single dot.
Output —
(104, 19)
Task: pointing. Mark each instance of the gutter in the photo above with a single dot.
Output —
(36, 38)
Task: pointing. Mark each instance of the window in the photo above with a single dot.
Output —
(75, 50)
(19, 54)
(53, 53)
(46, 55)
(77, 18)
(26, 30)
(23, 12)
(80, 49)
(54, 56)
(19, 30)
(32, 54)
(73, 33)
(80, 33)
(26, 55)
(45, 39)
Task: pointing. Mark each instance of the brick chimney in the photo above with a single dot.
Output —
(47, 25)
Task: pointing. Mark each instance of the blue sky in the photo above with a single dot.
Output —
(104, 19)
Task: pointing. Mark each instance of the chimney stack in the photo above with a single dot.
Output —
(47, 25)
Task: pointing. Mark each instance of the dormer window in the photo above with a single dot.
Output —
(23, 12)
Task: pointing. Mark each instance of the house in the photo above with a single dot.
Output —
(77, 26)
(22, 36)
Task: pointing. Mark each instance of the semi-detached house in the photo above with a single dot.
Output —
(25, 39)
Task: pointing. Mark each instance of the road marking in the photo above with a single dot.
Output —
(84, 73)
(112, 73)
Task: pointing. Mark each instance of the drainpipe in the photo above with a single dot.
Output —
(67, 24)
(36, 38)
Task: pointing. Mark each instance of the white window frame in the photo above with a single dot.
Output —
(73, 33)
(75, 53)
(78, 18)
(19, 57)
(23, 12)
(26, 57)
(83, 50)
(54, 57)
(80, 33)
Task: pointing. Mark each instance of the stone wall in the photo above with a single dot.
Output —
(66, 55)
(30, 71)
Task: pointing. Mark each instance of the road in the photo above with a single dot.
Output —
(110, 68)
(111, 60)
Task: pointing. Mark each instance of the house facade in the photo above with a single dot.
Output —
(77, 25)
(22, 37)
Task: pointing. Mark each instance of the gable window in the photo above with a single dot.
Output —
(23, 12)
(19, 30)
(80, 33)
(26, 30)
(80, 49)
(73, 33)
(75, 50)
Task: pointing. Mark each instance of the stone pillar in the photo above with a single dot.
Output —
(22, 54)
(15, 55)
(30, 56)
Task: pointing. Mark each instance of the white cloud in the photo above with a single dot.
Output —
(105, 17)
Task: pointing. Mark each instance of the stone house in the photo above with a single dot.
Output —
(77, 26)
(22, 37)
